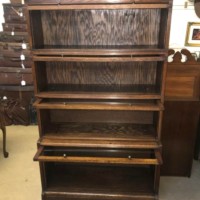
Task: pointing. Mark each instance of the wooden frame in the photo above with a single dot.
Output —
(193, 34)
(110, 61)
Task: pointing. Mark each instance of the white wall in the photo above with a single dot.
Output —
(180, 17)
(1, 12)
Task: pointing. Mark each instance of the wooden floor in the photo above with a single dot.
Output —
(20, 180)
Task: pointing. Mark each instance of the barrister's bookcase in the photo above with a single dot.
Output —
(99, 73)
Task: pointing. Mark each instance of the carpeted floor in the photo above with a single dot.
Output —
(20, 178)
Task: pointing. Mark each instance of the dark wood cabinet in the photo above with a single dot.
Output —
(99, 74)
(181, 116)
(16, 81)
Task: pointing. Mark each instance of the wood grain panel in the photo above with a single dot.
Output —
(101, 27)
(113, 74)
(58, 116)
(185, 87)
(100, 131)
(179, 132)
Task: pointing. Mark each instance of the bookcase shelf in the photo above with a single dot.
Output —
(106, 50)
(138, 182)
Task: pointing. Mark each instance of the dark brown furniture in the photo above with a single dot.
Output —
(13, 67)
(99, 73)
(181, 116)
(197, 144)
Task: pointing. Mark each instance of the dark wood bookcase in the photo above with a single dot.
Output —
(99, 73)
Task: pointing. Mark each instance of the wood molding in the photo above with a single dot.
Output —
(177, 56)
(183, 78)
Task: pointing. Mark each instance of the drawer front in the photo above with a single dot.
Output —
(15, 62)
(15, 78)
(42, 2)
(14, 46)
(18, 37)
(100, 156)
(16, 54)
(14, 9)
(15, 18)
(14, 27)
(16, 1)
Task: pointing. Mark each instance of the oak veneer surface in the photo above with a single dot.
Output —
(99, 79)
(99, 27)
(101, 73)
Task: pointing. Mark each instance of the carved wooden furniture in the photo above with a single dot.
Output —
(181, 114)
(15, 60)
(3, 128)
(99, 75)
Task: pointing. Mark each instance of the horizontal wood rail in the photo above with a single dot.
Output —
(45, 141)
(97, 95)
(99, 6)
(80, 2)
(102, 50)
(98, 106)
(99, 59)
(97, 160)
(15, 70)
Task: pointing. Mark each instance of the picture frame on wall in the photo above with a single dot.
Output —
(193, 34)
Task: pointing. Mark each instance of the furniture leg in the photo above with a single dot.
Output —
(5, 153)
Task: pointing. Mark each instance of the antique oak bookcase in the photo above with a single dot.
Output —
(99, 70)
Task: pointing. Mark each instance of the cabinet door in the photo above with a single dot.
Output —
(178, 137)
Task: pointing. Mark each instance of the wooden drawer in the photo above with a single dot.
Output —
(12, 46)
(16, 1)
(16, 56)
(15, 18)
(18, 37)
(16, 9)
(16, 52)
(14, 27)
(15, 62)
(7, 78)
